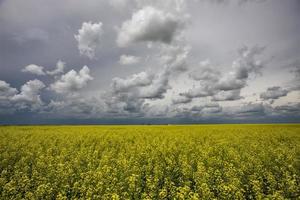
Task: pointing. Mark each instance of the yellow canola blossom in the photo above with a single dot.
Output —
(150, 162)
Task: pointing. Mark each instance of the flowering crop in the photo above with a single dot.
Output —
(150, 162)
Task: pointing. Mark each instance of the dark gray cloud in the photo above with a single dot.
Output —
(295, 70)
(205, 110)
(273, 93)
(288, 109)
(206, 73)
(227, 95)
(143, 59)
(252, 109)
(29, 35)
(132, 92)
(27, 99)
(226, 87)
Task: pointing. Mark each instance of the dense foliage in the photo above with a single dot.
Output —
(150, 162)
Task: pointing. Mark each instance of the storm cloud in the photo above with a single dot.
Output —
(150, 25)
(174, 60)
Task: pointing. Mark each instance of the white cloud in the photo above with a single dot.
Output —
(136, 80)
(132, 94)
(60, 66)
(72, 81)
(6, 90)
(89, 38)
(128, 95)
(29, 96)
(6, 93)
(148, 24)
(34, 69)
(39, 70)
(128, 60)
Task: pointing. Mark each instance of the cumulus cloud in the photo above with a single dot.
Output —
(229, 82)
(273, 93)
(247, 61)
(201, 91)
(6, 93)
(158, 88)
(128, 60)
(230, 95)
(29, 96)
(60, 66)
(72, 81)
(136, 80)
(246, 64)
(181, 100)
(206, 73)
(6, 90)
(149, 24)
(168, 83)
(34, 69)
(174, 57)
(226, 87)
(29, 91)
(130, 93)
(89, 38)
(39, 70)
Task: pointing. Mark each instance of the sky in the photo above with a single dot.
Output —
(149, 61)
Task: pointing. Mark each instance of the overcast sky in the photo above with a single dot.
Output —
(149, 61)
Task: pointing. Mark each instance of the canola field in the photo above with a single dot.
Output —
(150, 162)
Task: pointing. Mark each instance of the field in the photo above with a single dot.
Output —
(150, 162)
